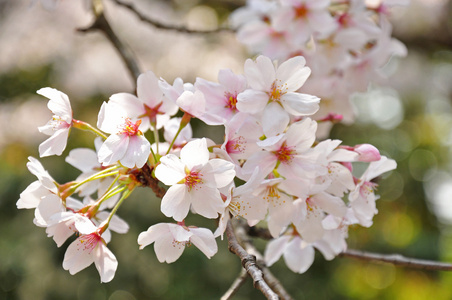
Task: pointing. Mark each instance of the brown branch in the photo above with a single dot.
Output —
(398, 260)
(273, 282)
(238, 282)
(102, 24)
(159, 25)
(249, 263)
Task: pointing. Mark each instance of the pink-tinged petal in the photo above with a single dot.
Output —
(195, 153)
(105, 262)
(232, 82)
(36, 168)
(377, 168)
(55, 144)
(83, 159)
(300, 104)
(275, 249)
(168, 250)
(61, 231)
(110, 118)
(116, 223)
(175, 203)
(31, 196)
(113, 149)
(204, 240)
(170, 170)
(260, 74)
(77, 257)
(342, 179)
(218, 173)
(299, 256)
(49, 205)
(137, 153)
(330, 204)
(148, 89)
(367, 153)
(130, 105)
(301, 134)
(322, 21)
(272, 143)
(264, 160)
(275, 119)
(332, 244)
(155, 232)
(59, 103)
(179, 233)
(83, 224)
(252, 101)
(292, 73)
(206, 201)
(193, 103)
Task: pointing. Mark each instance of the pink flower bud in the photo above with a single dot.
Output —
(367, 153)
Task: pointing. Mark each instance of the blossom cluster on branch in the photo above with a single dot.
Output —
(346, 42)
(304, 189)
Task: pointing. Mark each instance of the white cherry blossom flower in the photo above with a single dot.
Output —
(59, 126)
(126, 143)
(194, 181)
(272, 92)
(44, 186)
(170, 240)
(90, 248)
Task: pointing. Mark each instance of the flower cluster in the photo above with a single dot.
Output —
(304, 190)
(346, 42)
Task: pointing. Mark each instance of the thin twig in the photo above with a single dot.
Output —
(398, 260)
(249, 263)
(238, 282)
(159, 25)
(273, 282)
(101, 23)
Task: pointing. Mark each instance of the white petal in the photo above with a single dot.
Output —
(300, 104)
(105, 261)
(83, 159)
(170, 170)
(195, 153)
(218, 171)
(55, 144)
(148, 89)
(252, 101)
(299, 256)
(207, 201)
(204, 240)
(293, 73)
(113, 149)
(176, 202)
(275, 249)
(275, 119)
(137, 153)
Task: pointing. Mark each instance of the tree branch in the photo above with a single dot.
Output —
(273, 282)
(102, 24)
(159, 25)
(398, 260)
(238, 282)
(249, 263)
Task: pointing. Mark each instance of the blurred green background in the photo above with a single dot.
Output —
(409, 120)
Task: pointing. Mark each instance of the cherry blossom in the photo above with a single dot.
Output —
(194, 181)
(272, 92)
(170, 240)
(90, 248)
(59, 126)
(126, 143)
